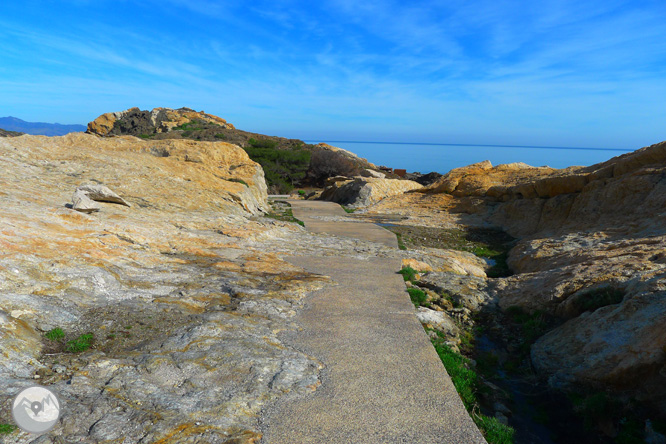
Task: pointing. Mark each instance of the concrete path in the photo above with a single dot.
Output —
(383, 381)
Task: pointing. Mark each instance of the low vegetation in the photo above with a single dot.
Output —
(327, 163)
(408, 274)
(283, 169)
(80, 344)
(6, 429)
(467, 383)
(77, 345)
(281, 210)
(417, 296)
(490, 244)
(56, 334)
(463, 373)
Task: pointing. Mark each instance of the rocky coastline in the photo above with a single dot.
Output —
(555, 278)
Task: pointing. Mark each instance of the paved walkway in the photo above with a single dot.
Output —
(383, 381)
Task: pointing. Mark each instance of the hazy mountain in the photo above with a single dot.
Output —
(38, 128)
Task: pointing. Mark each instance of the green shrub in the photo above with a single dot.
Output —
(55, 334)
(301, 193)
(282, 167)
(417, 296)
(80, 344)
(408, 274)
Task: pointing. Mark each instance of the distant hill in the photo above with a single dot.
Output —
(4, 133)
(38, 128)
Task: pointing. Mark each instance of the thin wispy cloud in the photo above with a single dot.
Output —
(485, 68)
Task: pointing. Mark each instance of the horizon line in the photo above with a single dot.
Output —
(479, 145)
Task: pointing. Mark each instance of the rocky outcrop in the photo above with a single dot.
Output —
(348, 154)
(527, 200)
(589, 256)
(180, 292)
(160, 120)
(619, 346)
(365, 191)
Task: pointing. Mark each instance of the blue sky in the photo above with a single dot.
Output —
(550, 72)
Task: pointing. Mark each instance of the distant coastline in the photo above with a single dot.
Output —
(624, 150)
(425, 157)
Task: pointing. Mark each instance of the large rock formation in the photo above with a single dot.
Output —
(177, 290)
(591, 253)
(287, 163)
(160, 120)
(364, 191)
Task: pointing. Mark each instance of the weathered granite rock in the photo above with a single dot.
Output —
(367, 172)
(619, 346)
(437, 320)
(591, 253)
(100, 193)
(81, 202)
(346, 153)
(182, 296)
(470, 292)
(416, 265)
(362, 192)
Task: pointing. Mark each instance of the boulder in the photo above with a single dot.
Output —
(362, 192)
(81, 202)
(100, 193)
(438, 320)
(367, 172)
(619, 346)
(469, 291)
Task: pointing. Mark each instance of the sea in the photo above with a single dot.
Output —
(441, 157)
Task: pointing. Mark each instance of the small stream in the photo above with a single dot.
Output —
(539, 415)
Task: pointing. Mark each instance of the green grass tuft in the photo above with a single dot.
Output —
(463, 378)
(56, 334)
(494, 431)
(408, 274)
(401, 242)
(80, 344)
(417, 296)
